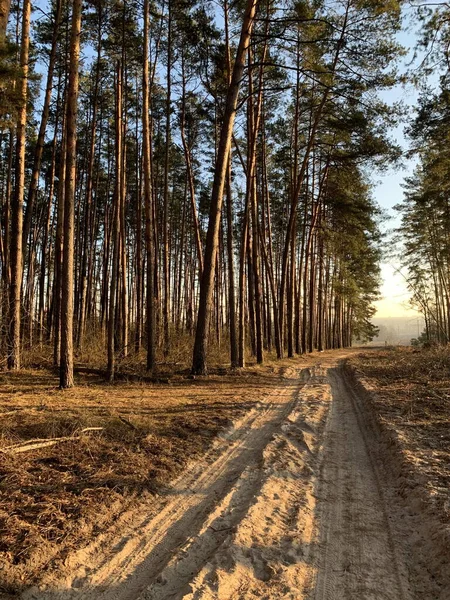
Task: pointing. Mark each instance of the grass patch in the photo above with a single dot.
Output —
(413, 397)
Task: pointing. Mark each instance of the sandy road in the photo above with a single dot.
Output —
(356, 555)
(289, 504)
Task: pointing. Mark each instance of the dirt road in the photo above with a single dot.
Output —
(290, 503)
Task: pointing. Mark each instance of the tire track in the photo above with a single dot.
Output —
(356, 556)
(224, 483)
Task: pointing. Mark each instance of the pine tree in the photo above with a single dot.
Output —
(66, 379)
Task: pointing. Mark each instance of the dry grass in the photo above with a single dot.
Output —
(413, 397)
(93, 353)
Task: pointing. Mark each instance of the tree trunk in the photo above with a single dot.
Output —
(212, 239)
(57, 285)
(43, 272)
(6, 267)
(138, 260)
(122, 245)
(4, 15)
(115, 241)
(166, 298)
(149, 233)
(88, 200)
(16, 255)
(66, 364)
(234, 357)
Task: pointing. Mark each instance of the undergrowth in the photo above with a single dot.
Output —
(413, 396)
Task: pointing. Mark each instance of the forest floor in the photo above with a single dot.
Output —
(293, 480)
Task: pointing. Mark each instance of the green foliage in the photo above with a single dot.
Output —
(9, 73)
(425, 226)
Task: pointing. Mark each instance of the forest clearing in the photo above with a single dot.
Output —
(193, 249)
(292, 480)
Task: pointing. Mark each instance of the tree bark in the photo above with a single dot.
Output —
(16, 254)
(6, 219)
(166, 298)
(115, 237)
(4, 15)
(57, 284)
(89, 189)
(148, 208)
(66, 365)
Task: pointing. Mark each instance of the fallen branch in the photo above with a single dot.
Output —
(36, 444)
(127, 422)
